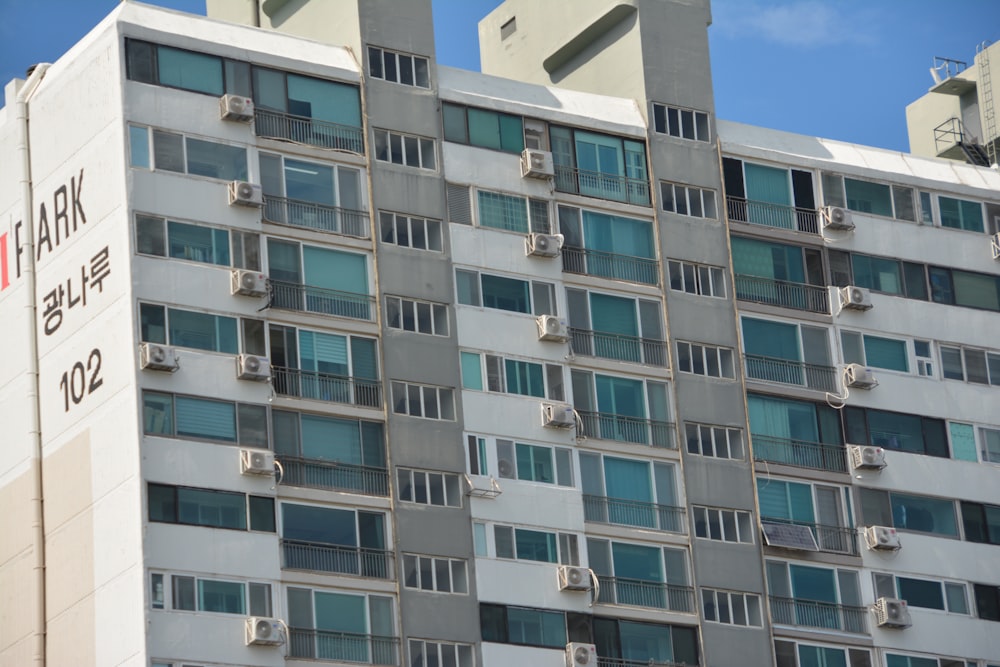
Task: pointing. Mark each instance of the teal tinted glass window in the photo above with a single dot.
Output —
(536, 545)
(926, 515)
(201, 418)
(886, 353)
(191, 71)
(472, 373)
(219, 509)
(868, 197)
(198, 244)
(961, 214)
(227, 597)
(203, 331)
(157, 413)
(524, 378)
(215, 160)
(503, 211)
(876, 273)
(138, 138)
(534, 463)
(506, 293)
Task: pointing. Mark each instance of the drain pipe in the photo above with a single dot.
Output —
(35, 75)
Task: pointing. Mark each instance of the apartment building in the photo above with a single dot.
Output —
(375, 361)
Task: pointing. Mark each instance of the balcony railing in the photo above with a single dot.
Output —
(609, 265)
(325, 387)
(813, 614)
(783, 293)
(341, 559)
(334, 476)
(619, 346)
(293, 296)
(304, 130)
(772, 215)
(799, 453)
(621, 662)
(310, 215)
(621, 512)
(640, 593)
(342, 646)
(788, 371)
(832, 539)
(623, 428)
(602, 185)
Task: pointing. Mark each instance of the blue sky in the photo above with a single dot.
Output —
(842, 69)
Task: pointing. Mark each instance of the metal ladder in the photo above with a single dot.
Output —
(986, 97)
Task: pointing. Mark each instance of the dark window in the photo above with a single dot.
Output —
(896, 431)
(987, 602)
(981, 523)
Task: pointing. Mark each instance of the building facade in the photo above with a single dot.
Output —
(321, 353)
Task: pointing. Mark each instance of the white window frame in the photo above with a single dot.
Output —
(438, 313)
(396, 54)
(443, 396)
(862, 335)
(719, 599)
(493, 368)
(739, 517)
(442, 647)
(704, 279)
(393, 222)
(452, 564)
(680, 111)
(724, 359)
(422, 146)
(878, 581)
(428, 476)
(724, 436)
(705, 198)
(567, 544)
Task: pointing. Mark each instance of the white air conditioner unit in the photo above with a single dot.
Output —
(252, 367)
(835, 217)
(552, 328)
(536, 164)
(543, 245)
(242, 193)
(859, 377)
(262, 631)
(256, 462)
(995, 244)
(581, 655)
(558, 415)
(856, 298)
(883, 538)
(248, 283)
(156, 357)
(236, 107)
(892, 613)
(573, 578)
(866, 457)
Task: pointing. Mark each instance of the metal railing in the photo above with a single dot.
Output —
(342, 559)
(772, 215)
(331, 475)
(342, 646)
(773, 292)
(799, 453)
(305, 130)
(622, 512)
(813, 614)
(832, 539)
(641, 593)
(325, 387)
(587, 262)
(788, 371)
(321, 217)
(622, 662)
(598, 184)
(294, 296)
(605, 345)
(623, 428)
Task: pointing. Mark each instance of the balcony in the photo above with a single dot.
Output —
(772, 215)
(605, 345)
(602, 185)
(602, 264)
(651, 594)
(831, 539)
(799, 453)
(772, 292)
(304, 298)
(621, 512)
(621, 662)
(623, 428)
(342, 647)
(789, 371)
(326, 387)
(303, 130)
(319, 217)
(334, 476)
(336, 558)
(824, 615)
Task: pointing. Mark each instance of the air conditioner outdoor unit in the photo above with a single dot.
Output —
(536, 164)
(543, 245)
(883, 538)
(859, 377)
(892, 613)
(256, 462)
(262, 631)
(552, 328)
(252, 367)
(995, 243)
(574, 578)
(236, 107)
(581, 655)
(248, 283)
(866, 457)
(155, 357)
(835, 217)
(242, 193)
(856, 298)
(558, 415)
